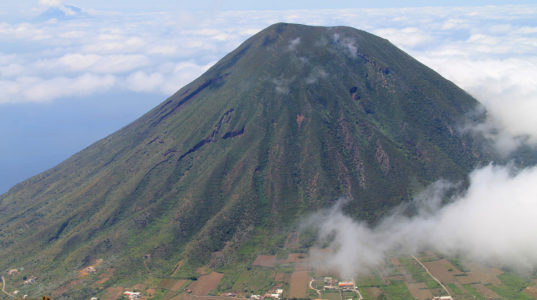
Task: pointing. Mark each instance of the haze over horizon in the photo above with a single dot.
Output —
(71, 75)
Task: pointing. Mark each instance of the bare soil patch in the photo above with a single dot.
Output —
(302, 266)
(299, 284)
(113, 293)
(440, 269)
(171, 284)
(481, 274)
(294, 258)
(395, 261)
(265, 261)
(419, 290)
(206, 283)
(90, 269)
(178, 285)
(531, 291)
(151, 292)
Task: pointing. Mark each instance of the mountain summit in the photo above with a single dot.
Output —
(293, 119)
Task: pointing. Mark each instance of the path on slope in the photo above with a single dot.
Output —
(311, 287)
(4, 288)
(430, 274)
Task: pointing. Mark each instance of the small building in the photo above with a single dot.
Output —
(346, 285)
(443, 298)
(257, 297)
(133, 295)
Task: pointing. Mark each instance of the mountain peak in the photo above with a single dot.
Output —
(293, 119)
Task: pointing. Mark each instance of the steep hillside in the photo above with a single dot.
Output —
(287, 123)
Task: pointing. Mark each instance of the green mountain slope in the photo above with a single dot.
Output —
(287, 123)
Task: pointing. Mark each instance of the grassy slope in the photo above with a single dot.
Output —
(230, 153)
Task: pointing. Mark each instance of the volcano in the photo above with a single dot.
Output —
(292, 120)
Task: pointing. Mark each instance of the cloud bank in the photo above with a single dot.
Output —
(492, 222)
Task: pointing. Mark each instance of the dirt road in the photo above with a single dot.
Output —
(435, 279)
(4, 288)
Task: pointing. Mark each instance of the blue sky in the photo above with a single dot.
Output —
(72, 72)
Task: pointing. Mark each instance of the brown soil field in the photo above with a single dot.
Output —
(294, 258)
(531, 291)
(395, 261)
(481, 274)
(302, 266)
(171, 284)
(150, 293)
(113, 293)
(485, 291)
(178, 285)
(205, 284)
(419, 290)
(298, 287)
(440, 270)
(265, 261)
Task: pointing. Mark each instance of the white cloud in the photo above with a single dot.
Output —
(34, 89)
(166, 79)
(316, 74)
(506, 87)
(293, 44)
(492, 222)
(53, 3)
(142, 82)
(408, 37)
(164, 50)
(102, 64)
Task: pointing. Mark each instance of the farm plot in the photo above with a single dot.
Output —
(267, 261)
(419, 290)
(299, 284)
(206, 284)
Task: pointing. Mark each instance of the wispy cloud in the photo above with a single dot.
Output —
(493, 222)
(50, 2)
